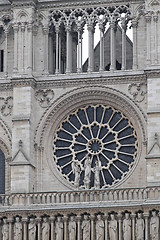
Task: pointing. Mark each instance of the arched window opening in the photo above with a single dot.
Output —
(2, 173)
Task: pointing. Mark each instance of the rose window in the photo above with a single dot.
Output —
(95, 147)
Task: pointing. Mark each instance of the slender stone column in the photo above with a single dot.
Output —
(112, 46)
(45, 33)
(79, 58)
(60, 49)
(148, 39)
(39, 227)
(52, 227)
(57, 49)
(133, 215)
(155, 19)
(15, 28)
(10, 220)
(24, 220)
(120, 226)
(65, 227)
(22, 46)
(146, 215)
(101, 65)
(35, 31)
(92, 226)
(124, 28)
(69, 50)
(30, 49)
(106, 226)
(6, 53)
(79, 227)
(134, 26)
(90, 48)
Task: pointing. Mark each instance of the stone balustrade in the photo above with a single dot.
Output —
(82, 196)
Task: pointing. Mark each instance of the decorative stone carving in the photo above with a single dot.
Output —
(87, 174)
(99, 228)
(44, 97)
(154, 226)
(18, 229)
(7, 105)
(5, 229)
(139, 227)
(45, 229)
(113, 228)
(96, 175)
(86, 228)
(138, 90)
(77, 171)
(32, 229)
(127, 227)
(59, 229)
(72, 228)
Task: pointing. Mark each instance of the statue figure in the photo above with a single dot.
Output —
(96, 175)
(99, 228)
(140, 227)
(127, 227)
(18, 229)
(45, 229)
(86, 228)
(32, 229)
(59, 229)
(87, 174)
(72, 229)
(5, 230)
(113, 228)
(154, 226)
(77, 171)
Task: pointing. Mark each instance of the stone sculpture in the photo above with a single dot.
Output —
(72, 229)
(59, 229)
(18, 229)
(5, 230)
(154, 226)
(113, 228)
(139, 227)
(127, 227)
(32, 229)
(96, 175)
(86, 228)
(87, 174)
(99, 228)
(45, 229)
(76, 171)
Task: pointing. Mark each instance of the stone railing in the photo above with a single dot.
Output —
(134, 195)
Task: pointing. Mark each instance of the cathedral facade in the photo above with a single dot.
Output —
(80, 139)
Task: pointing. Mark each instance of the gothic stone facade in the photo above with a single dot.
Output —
(79, 150)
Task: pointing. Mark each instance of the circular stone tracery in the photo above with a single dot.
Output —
(101, 133)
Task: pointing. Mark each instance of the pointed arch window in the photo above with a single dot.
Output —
(2, 172)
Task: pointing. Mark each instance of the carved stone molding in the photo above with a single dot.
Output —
(44, 97)
(6, 105)
(138, 91)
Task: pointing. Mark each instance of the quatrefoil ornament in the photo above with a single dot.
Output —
(44, 97)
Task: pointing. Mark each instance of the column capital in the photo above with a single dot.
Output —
(68, 28)
(10, 219)
(52, 218)
(15, 27)
(65, 218)
(38, 220)
(78, 217)
(57, 28)
(45, 30)
(155, 18)
(90, 27)
(101, 27)
(148, 18)
(25, 220)
(133, 215)
(134, 23)
(30, 27)
(22, 27)
(112, 24)
(92, 217)
(146, 214)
